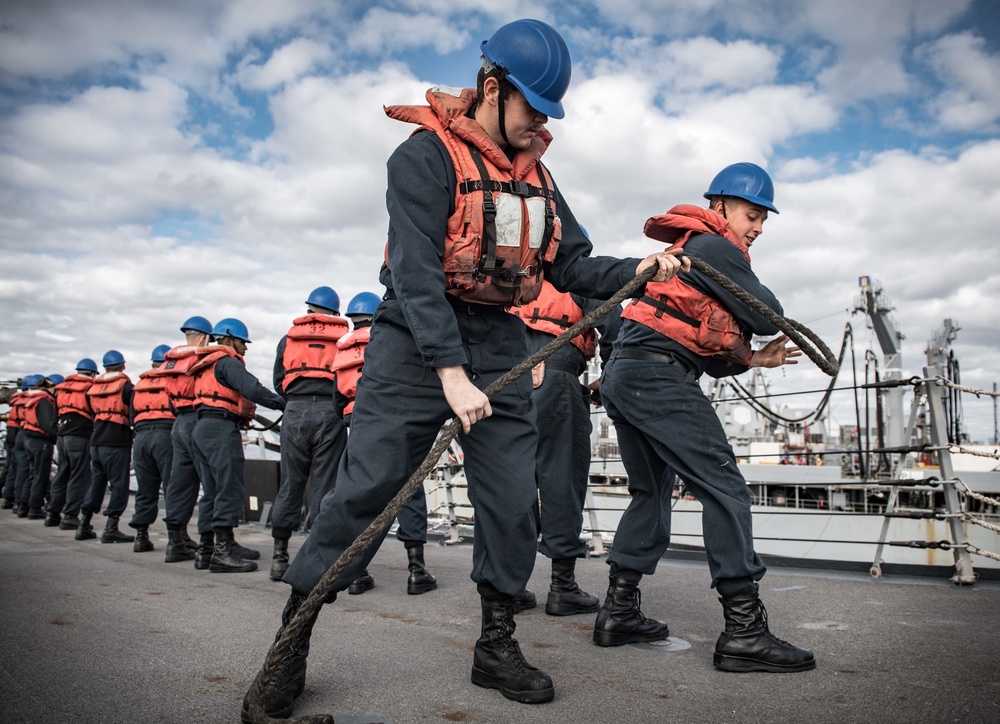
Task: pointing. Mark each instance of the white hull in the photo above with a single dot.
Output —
(824, 539)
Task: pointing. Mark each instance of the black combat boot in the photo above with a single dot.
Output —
(279, 559)
(112, 534)
(565, 597)
(248, 554)
(69, 522)
(86, 531)
(206, 549)
(142, 542)
(420, 581)
(35, 514)
(747, 644)
(225, 559)
(188, 540)
(364, 582)
(620, 621)
(7, 504)
(52, 520)
(177, 547)
(525, 601)
(22, 510)
(497, 662)
(290, 677)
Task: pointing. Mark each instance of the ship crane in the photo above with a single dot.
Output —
(876, 306)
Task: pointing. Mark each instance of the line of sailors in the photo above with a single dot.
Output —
(179, 426)
(187, 411)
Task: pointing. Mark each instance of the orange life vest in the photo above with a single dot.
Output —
(149, 397)
(678, 310)
(14, 415)
(174, 371)
(105, 397)
(72, 396)
(209, 391)
(504, 225)
(311, 347)
(29, 410)
(553, 313)
(350, 360)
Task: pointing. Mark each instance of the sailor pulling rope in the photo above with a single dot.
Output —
(810, 344)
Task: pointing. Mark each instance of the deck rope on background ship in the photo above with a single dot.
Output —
(810, 344)
(945, 382)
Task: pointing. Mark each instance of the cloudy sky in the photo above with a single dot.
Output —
(225, 157)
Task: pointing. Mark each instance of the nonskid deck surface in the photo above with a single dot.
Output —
(97, 633)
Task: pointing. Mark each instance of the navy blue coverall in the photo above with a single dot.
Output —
(666, 426)
(218, 448)
(400, 404)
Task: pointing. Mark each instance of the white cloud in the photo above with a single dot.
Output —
(971, 77)
(288, 63)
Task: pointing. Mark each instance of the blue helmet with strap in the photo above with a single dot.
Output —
(364, 303)
(231, 327)
(197, 324)
(55, 378)
(86, 365)
(160, 352)
(535, 59)
(744, 181)
(325, 298)
(112, 357)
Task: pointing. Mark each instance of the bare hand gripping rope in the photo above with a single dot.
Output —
(823, 358)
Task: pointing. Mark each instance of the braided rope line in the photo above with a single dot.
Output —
(978, 453)
(811, 345)
(314, 601)
(943, 381)
(980, 552)
(981, 522)
(965, 490)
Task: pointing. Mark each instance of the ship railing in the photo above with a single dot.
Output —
(929, 393)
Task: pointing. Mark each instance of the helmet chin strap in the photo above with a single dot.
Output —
(500, 105)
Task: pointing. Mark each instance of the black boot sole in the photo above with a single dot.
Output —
(358, 587)
(124, 539)
(69, 526)
(86, 535)
(556, 606)
(174, 556)
(278, 573)
(247, 567)
(742, 665)
(608, 638)
(534, 696)
(416, 590)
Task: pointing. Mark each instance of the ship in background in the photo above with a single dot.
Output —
(902, 491)
(886, 495)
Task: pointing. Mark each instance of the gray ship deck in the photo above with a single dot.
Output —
(97, 633)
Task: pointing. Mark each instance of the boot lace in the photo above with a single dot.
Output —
(765, 629)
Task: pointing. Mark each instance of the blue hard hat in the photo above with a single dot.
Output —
(326, 298)
(86, 365)
(536, 60)
(230, 327)
(29, 381)
(113, 357)
(198, 324)
(55, 378)
(363, 303)
(744, 181)
(159, 352)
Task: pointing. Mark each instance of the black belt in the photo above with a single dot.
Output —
(563, 367)
(632, 353)
(311, 398)
(202, 412)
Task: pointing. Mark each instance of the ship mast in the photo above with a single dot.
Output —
(877, 306)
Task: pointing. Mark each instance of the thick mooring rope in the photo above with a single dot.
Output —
(310, 607)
